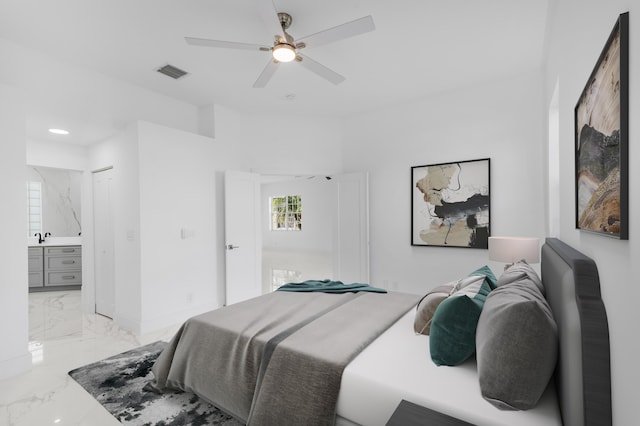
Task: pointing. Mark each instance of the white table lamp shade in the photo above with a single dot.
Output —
(513, 249)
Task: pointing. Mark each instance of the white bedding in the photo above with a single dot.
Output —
(397, 366)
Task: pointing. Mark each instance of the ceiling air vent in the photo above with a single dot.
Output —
(171, 71)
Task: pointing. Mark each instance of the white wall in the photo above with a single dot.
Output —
(121, 153)
(177, 225)
(14, 305)
(500, 120)
(577, 35)
(317, 217)
(58, 155)
(163, 183)
(291, 145)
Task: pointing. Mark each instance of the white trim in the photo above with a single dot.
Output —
(15, 366)
(139, 327)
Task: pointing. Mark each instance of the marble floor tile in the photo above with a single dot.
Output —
(63, 338)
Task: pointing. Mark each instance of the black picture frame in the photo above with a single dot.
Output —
(601, 120)
(451, 204)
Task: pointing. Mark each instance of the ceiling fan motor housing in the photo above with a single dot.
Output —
(285, 20)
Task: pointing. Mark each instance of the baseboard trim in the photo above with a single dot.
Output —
(15, 366)
(175, 318)
(140, 327)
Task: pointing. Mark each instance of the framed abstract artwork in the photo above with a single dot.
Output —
(450, 204)
(601, 140)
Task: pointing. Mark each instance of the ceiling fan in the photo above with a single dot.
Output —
(285, 48)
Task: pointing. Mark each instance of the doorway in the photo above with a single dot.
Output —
(55, 207)
(331, 241)
(344, 215)
(296, 226)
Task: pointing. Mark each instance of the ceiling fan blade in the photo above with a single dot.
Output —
(266, 74)
(321, 70)
(269, 15)
(340, 32)
(194, 41)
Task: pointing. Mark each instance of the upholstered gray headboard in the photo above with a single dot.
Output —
(583, 373)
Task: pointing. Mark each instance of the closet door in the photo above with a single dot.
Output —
(103, 242)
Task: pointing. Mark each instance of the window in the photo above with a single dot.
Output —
(34, 207)
(286, 213)
(281, 277)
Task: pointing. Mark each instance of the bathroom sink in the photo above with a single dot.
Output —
(55, 241)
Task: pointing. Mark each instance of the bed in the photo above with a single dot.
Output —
(354, 359)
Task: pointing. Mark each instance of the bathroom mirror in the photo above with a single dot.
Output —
(53, 197)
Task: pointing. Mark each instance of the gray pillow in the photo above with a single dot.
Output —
(520, 270)
(516, 343)
(427, 307)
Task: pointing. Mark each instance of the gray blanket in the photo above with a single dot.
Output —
(277, 359)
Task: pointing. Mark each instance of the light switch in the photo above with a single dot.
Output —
(187, 233)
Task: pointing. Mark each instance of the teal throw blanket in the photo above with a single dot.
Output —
(328, 286)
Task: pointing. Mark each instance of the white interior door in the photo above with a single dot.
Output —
(351, 228)
(103, 242)
(243, 238)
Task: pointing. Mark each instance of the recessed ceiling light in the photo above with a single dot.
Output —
(59, 131)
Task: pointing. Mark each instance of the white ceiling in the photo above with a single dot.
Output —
(419, 47)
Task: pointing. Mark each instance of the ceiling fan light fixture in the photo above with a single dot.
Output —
(284, 52)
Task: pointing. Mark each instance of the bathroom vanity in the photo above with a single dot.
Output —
(55, 267)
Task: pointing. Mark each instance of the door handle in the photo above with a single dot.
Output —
(231, 247)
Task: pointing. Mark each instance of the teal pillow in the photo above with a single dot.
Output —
(453, 327)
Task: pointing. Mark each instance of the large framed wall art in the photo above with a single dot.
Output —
(601, 140)
(450, 204)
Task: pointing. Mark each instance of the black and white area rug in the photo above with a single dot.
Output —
(118, 384)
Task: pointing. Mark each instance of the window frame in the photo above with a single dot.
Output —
(285, 212)
(34, 210)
